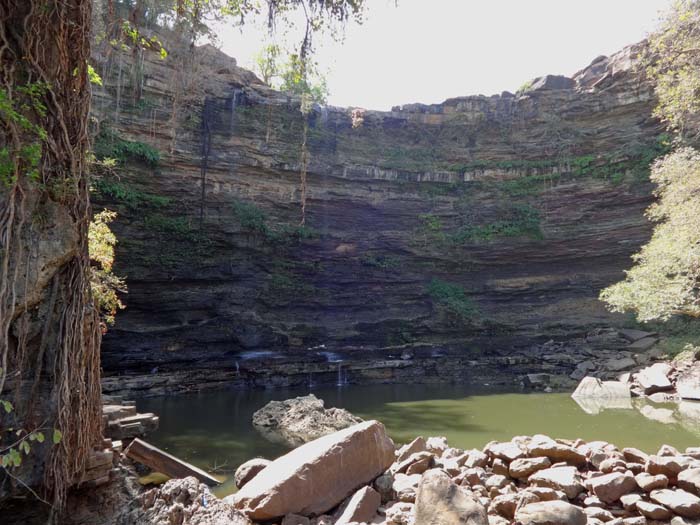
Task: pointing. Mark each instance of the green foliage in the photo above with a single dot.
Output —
(128, 194)
(93, 76)
(383, 262)
(666, 275)
(673, 63)
(251, 218)
(431, 227)
(303, 78)
(613, 167)
(104, 284)
(291, 74)
(676, 333)
(452, 298)
(171, 227)
(254, 221)
(521, 220)
(20, 112)
(267, 63)
(22, 440)
(525, 86)
(109, 145)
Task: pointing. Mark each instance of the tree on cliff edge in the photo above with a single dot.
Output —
(665, 279)
(49, 326)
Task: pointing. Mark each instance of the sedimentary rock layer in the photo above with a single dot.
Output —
(440, 225)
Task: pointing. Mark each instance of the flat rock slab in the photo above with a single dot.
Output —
(654, 378)
(643, 344)
(543, 446)
(317, 476)
(688, 383)
(591, 387)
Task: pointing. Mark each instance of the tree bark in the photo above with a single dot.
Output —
(49, 328)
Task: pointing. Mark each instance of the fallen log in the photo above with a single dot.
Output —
(167, 464)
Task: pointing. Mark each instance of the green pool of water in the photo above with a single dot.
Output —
(214, 431)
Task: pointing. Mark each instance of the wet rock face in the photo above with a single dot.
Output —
(529, 204)
(294, 422)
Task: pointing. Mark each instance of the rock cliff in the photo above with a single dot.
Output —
(463, 229)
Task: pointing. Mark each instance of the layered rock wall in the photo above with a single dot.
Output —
(479, 225)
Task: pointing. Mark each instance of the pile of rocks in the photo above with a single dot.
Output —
(357, 476)
(660, 382)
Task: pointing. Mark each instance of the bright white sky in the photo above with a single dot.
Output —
(429, 50)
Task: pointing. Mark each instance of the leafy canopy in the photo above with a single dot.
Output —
(665, 279)
(674, 65)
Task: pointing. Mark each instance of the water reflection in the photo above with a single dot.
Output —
(214, 429)
(596, 405)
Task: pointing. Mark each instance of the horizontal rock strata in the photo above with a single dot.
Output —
(436, 226)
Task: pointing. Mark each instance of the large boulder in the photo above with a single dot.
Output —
(595, 388)
(317, 476)
(550, 513)
(296, 421)
(440, 501)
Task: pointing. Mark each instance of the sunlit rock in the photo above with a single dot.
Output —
(318, 475)
(439, 496)
(300, 420)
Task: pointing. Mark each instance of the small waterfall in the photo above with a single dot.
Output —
(310, 382)
(342, 375)
(238, 369)
(235, 100)
(323, 110)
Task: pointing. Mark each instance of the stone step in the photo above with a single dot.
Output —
(132, 426)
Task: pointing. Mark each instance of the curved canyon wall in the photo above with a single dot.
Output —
(448, 234)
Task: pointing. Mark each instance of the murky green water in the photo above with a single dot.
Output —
(213, 430)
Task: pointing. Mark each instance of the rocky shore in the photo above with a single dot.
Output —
(357, 475)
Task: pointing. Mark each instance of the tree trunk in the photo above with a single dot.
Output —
(49, 328)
